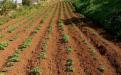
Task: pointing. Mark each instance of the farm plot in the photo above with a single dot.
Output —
(53, 41)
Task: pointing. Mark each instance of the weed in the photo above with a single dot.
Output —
(36, 71)
(65, 38)
(3, 45)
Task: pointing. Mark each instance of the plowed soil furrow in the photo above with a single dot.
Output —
(76, 34)
(18, 30)
(86, 61)
(50, 63)
(10, 22)
(4, 31)
(15, 21)
(78, 70)
(25, 55)
(107, 49)
(12, 47)
(40, 47)
(103, 58)
(56, 40)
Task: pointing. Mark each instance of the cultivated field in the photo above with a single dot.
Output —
(55, 41)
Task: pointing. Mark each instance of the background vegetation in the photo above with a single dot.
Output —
(9, 10)
(105, 12)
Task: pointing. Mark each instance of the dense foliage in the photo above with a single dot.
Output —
(6, 5)
(105, 12)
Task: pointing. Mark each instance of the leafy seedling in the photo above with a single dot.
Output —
(65, 38)
(69, 69)
(69, 62)
(69, 65)
(36, 71)
(42, 55)
(69, 49)
(14, 58)
(3, 45)
(26, 43)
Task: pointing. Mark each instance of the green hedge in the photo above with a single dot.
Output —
(105, 12)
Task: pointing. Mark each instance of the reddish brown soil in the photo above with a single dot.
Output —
(90, 50)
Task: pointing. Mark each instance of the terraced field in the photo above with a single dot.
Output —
(56, 41)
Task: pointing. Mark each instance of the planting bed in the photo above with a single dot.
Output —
(56, 41)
